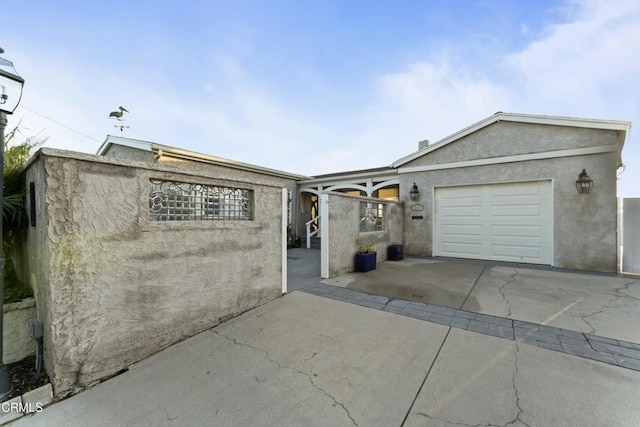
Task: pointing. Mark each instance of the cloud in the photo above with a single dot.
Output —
(587, 67)
(580, 64)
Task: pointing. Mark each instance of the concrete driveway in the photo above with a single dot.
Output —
(307, 360)
(599, 304)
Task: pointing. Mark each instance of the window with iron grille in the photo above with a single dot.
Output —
(371, 216)
(182, 201)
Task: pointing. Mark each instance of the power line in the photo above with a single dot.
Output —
(60, 124)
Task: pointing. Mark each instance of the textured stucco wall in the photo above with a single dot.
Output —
(585, 225)
(17, 344)
(509, 139)
(344, 229)
(120, 287)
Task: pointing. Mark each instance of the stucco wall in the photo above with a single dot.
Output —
(120, 287)
(509, 138)
(585, 225)
(344, 229)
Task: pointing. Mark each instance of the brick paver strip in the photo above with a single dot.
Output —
(607, 350)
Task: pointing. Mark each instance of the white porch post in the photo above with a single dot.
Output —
(324, 242)
(285, 238)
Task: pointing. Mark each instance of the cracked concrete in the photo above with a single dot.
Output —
(453, 392)
(517, 419)
(479, 381)
(602, 305)
(299, 360)
(307, 360)
(501, 289)
(306, 374)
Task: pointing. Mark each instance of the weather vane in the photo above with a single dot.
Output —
(118, 115)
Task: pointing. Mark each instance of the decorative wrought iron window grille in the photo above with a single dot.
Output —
(371, 216)
(182, 201)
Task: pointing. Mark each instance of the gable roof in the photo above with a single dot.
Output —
(623, 126)
(160, 150)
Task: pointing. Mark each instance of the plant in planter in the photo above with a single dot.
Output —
(365, 257)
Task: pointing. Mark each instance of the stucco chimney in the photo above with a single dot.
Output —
(423, 144)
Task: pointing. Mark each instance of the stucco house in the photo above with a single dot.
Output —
(503, 189)
(143, 244)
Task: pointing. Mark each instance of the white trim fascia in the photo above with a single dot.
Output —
(126, 142)
(323, 204)
(347, 177)
(620, 234)
(346, 187)
(566, 121)
(520, 118)
(513, 159)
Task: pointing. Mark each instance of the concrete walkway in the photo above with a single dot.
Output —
(310, 360)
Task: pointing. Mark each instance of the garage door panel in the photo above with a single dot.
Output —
(463, 193)
(516, 253)
(508, 222)
(462, 211)
(522, 189)
(516, 210)
(462, 249)
(462, 230)
(517, 231)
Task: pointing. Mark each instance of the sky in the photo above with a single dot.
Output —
(314, 87)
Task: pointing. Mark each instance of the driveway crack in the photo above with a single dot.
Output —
(619, 291)
(236, 342)
(501, 289)
(317, 387)
(515, 389)
(453, 423)
(309, 376)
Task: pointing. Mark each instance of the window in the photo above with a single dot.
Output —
(181, 201)
(371, 216)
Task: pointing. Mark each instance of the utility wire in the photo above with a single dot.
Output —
(60, 124)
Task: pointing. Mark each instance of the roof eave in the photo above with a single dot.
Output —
(205, 158)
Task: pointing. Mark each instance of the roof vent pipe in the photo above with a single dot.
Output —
(423, 144)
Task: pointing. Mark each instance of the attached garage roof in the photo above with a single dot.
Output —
(617, 125)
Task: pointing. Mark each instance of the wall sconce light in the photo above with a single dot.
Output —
(584, 182)
(414, 193)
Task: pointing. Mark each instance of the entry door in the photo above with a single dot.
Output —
(502, 222)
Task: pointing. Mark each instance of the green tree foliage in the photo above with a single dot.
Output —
(14, 215)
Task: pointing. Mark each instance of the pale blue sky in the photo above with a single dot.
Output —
(323, 86)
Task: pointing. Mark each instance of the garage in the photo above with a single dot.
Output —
(501, 222)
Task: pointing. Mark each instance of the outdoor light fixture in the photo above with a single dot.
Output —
(584, 182)
(10, 94)
(414, 193)
(10, 86)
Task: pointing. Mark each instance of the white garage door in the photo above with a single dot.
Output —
(502, 222)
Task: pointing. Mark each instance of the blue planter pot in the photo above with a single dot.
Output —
(366, 262)
(395, 252)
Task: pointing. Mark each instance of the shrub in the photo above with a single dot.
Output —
(14, 215)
